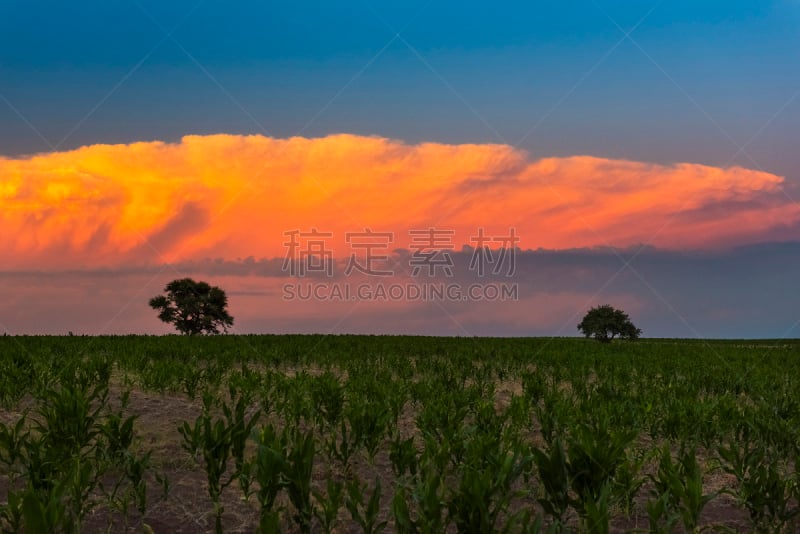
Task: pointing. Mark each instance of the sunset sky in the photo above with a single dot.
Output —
(642, 154)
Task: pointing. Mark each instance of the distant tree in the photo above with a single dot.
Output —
(605, 322)
(193, 307)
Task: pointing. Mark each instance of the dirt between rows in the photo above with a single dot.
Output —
(187, 508)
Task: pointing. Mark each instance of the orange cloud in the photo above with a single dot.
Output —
(233, 196)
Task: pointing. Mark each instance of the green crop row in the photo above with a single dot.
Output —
(409, 434)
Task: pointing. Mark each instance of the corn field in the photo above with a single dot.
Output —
(397, 434)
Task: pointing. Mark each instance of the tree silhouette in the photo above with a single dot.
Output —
(193, 307)
(605, 322)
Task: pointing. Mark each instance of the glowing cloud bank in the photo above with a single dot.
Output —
(229, 196)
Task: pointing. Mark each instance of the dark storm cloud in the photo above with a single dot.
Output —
(742, 292)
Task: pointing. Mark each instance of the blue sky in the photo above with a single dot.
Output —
(694, 80)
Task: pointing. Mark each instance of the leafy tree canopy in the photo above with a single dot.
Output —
(605, 322)
(193, 307)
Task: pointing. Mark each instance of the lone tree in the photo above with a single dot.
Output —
(605, 322)
(193, 307)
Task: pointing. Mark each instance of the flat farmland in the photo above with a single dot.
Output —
(403, 434)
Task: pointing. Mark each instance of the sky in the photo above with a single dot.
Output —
(534, 159)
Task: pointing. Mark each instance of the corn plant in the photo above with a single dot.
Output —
(216, 440)
(191, 380)
(441, 422)
(403, 455)
(396, 397)
(764, 485)
(327, 395)
(596, 452)
(297, 472)
(661, 516)
(365, 514)
(45, 512)
(341, 445)
(293, 400)
(554, 476)
(66, 461)
(269, 465)
(13, 440)
(421, 509)
(240, 428)
(401, 513)
(681, 482)
(247, 379)
(597, 511)
(58, 470)
(552, 415)
(368, 423)
(329, 503)
(484, 491)
(628, 480)
(66, 419)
